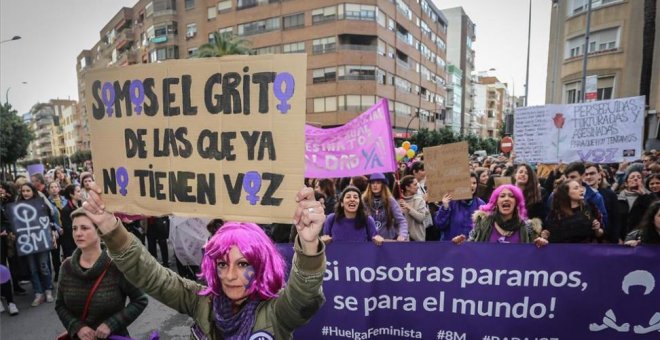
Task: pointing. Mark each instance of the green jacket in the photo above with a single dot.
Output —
(483, 227)
(295, 305)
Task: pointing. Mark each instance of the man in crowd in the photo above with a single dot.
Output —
(593, 179)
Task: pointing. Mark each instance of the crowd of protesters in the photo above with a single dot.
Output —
(511, 202)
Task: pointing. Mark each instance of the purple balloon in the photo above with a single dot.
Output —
(4, 274)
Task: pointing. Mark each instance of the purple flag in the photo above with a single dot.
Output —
(438, 290)
(360, 147)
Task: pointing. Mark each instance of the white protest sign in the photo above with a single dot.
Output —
(188, 236)
(608, 131)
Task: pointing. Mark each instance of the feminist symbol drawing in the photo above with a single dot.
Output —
(640, 278)
(31, 224)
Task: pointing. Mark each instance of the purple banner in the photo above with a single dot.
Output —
(438, 290)
(360, 147)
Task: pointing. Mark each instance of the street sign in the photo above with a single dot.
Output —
(506, 144)
(591, 88)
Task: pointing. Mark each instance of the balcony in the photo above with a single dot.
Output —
(126, 58)
(354, 47)
(125, 38)
(402, 63)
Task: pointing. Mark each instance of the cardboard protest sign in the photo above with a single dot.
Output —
(606, 131)
(188, 236)
(201, 137)
(502, 180)
(30, 221)
(362, 146)
(447, 171)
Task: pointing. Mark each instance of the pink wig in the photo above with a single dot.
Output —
(491, 206)
(259, 251)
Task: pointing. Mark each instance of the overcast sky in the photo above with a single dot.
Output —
(54, 32)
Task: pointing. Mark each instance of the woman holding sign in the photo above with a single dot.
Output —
(504, 220)
(455, 217)
(39, 262)
(246, 296)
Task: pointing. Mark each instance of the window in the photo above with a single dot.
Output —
(381, 47)
(325, 104)
(573, 92)
(268, 50)
(605, 87)
(324, 75)
(149, 10)
(191, 30)
(260, 26)
(294, 21)
(360, 12)
(578, 6)
(297, 47)
(190, 4)
(357, 72)
(324, 14)
(224, 6)
(227, 30)
(170, 52)
(324, 45)
(211, 13)
(164, 5)
(243, 4)
(402, 109)
(381, 18)
(599, 41)
(404, 9)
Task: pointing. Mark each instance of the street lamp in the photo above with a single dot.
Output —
(16, 37)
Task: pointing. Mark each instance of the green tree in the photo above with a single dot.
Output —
(223, 44)
(16, 136)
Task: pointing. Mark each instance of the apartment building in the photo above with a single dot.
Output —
(358, 51)
(492, 102)
(454, 97)
(624, 41)
(54, 125)
(460, 37)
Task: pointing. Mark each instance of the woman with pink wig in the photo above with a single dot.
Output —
(246, 296)
(503, 220)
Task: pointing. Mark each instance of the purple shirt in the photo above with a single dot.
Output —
(496, 237)
(346, 229)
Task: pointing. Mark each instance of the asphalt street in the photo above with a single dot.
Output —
(42, 322)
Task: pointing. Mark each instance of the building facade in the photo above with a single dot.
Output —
(624, 41)
(460, 37)
(54, 125)
(454, 97)
(358, 51)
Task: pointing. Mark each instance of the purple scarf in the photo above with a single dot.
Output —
(234, 326)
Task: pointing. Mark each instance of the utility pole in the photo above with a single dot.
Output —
(586, 51)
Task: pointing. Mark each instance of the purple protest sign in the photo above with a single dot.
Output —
(35, 169)
(360, 147)
(487, 291)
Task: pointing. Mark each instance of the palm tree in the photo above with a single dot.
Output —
(223, 44)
